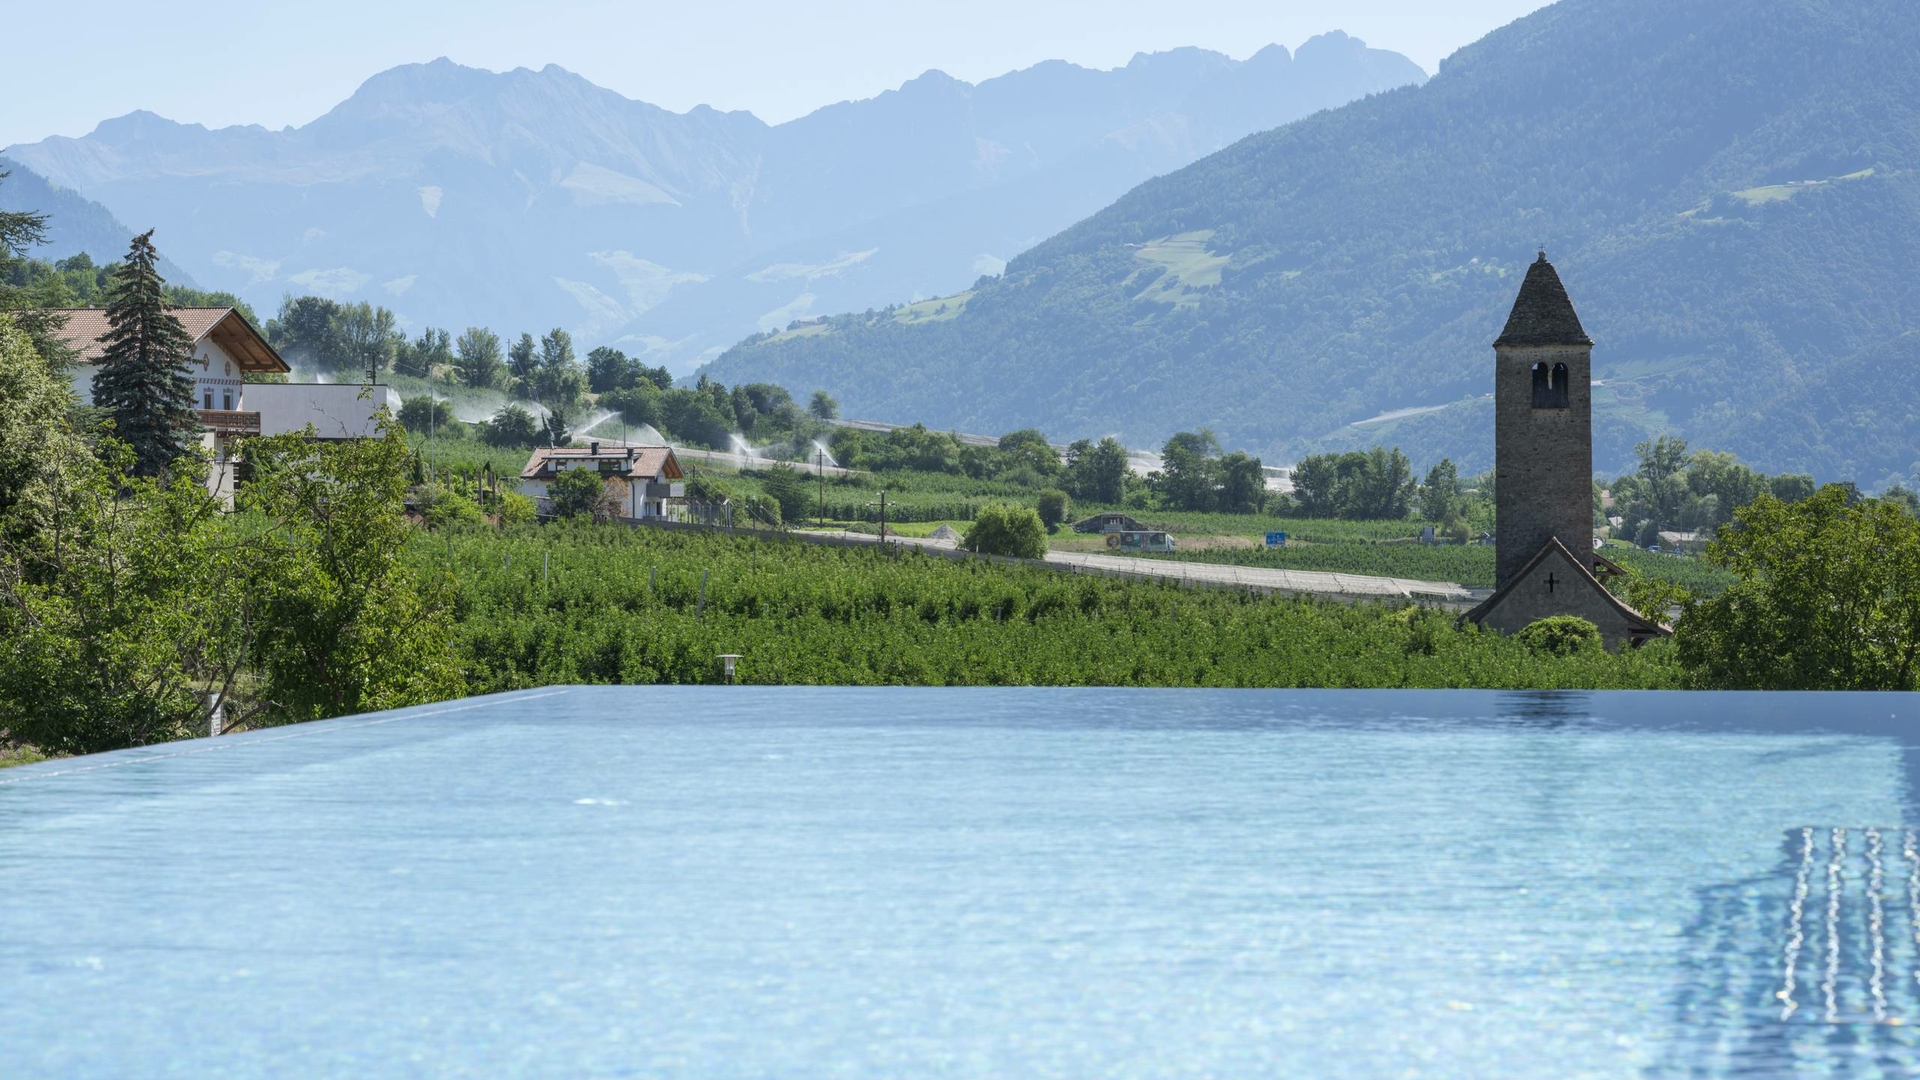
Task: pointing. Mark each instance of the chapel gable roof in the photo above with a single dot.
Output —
(1642, 626)
(1543, 313)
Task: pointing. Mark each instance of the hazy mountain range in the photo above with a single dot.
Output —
(1730, 188)
(530, 199)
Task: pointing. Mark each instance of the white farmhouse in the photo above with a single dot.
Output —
(226, 349)
(644, 477)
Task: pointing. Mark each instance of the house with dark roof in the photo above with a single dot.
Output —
(645, 480)
(1543, 472)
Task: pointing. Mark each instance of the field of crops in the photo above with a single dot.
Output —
(577, 603)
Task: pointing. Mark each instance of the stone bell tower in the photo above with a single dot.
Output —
(1543, 473)
(1542, 427)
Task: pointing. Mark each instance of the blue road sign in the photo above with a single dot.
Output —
(1276, 540)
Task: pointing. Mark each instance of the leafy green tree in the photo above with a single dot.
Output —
(1791, 487)
(607, 370)
(1440, 495)
(366, 338)
(1187, 474)
(1029, 448)
(433, 348)
(822, 406)
(788, 487)
(512, 426)
(1903, 497)
(557, 380)
(556, 349)
(577, 493)
(1386, 486)
(142, 383)
(1828, 598)
(1243, 486)
(38, 447)
(307, 329)
(20, 232)
(477, 357)
(1097, 473)
(1006, 529)
(523, 360)
(637, 404)
(557, 426)
(345, 626)
(1366, 486)
(693, 416)
(423, 414)
(136, 599)
(1054, 508)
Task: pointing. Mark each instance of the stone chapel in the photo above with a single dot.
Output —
(1543, 472)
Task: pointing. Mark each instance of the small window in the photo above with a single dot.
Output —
(226, 400)
(1549, 386)
(206, 400)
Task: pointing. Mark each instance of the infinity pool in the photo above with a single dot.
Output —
(735, 882)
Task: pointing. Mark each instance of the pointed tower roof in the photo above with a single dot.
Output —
(1542, 315)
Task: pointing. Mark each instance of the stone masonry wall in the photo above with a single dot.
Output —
(1543, 458)
(1570, 593)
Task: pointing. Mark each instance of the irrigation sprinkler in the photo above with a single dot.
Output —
(727, 660)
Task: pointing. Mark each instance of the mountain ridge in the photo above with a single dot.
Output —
(532, 198)
(1729, 189)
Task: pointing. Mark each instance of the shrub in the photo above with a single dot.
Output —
(1055, 508)
(516, 509)
(762, 510)
(1005, 529)
(441, 506)
(1560, 635)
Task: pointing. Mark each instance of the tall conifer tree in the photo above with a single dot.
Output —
(142, 382)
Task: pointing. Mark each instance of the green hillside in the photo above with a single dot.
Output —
(1728, 188)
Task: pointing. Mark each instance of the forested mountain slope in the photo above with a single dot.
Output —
(531, 199)
(74, 224)
(1728, 189)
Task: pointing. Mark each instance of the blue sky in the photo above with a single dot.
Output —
(270, 62)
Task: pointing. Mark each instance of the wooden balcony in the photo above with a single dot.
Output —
(229, 421)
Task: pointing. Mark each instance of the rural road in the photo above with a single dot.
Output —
(1310, 582)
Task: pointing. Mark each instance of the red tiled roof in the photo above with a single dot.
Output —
(230, 330)
(648, 462)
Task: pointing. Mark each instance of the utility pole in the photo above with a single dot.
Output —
(883, 519)
(820, 471)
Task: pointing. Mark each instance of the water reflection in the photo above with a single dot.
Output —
(1810, 969)
(1546, 709)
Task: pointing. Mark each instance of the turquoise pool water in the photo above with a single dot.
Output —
(735, 882)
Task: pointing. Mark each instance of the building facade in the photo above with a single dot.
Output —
(644, 479)
(227, 349)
